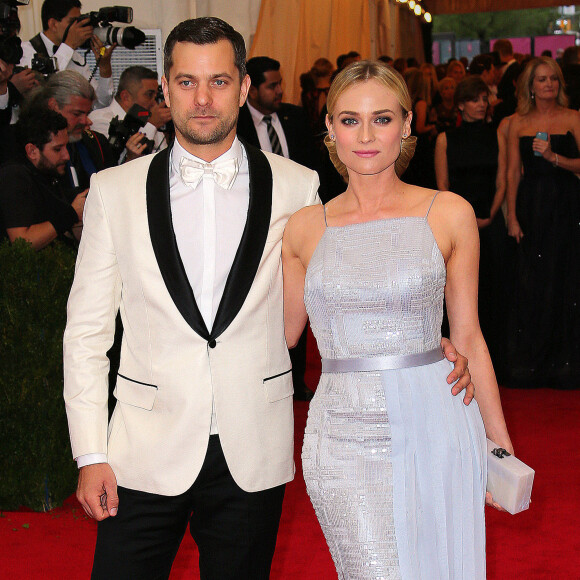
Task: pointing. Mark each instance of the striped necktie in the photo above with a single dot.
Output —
(273, 136)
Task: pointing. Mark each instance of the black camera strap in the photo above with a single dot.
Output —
(38, 45)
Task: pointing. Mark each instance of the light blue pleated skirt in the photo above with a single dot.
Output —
(395, 468)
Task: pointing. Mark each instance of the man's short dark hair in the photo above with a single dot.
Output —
(57, 9)
(480, 63)
(342, 57)
(259, 65)
(570, 56)
(206, 30)
(133, 76)
(504, 47)
(39, 126)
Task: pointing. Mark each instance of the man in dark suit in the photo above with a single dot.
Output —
(288, 121)
(268, 123)
(510, 70)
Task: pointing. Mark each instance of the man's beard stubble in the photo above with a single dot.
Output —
(217, 135)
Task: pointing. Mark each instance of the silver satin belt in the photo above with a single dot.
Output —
(381, 363)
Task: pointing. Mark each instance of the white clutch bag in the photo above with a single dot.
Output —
(509, 480)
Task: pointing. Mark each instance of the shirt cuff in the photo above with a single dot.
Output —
(90, 459)
(4, 100)
(149, 129)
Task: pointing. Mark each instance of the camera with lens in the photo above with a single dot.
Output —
(45, 65)
(10, 45)
(128, 36)
(121, 131)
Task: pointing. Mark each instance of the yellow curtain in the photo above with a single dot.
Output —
(297, 32)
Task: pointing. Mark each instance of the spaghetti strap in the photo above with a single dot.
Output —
(324, 210)
(430, 205)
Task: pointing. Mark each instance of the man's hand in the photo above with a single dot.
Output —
(78, 33)
(78, 203)
(135, 146)
(6, 71)
(97, 491)
(25, 80)
(160, 115)
(460, 372)
(105, 53)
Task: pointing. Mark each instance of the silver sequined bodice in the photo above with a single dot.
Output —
(376, 288)
(380, 471)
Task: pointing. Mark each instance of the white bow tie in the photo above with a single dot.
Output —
(223, 173)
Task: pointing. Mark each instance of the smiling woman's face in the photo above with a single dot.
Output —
(368, 125)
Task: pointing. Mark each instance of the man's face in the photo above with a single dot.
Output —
(62, 25)
(267, 98)
(145, 94)
(204, 93)
(77, 115)
(53, 157)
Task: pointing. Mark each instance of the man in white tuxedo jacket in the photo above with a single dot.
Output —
(186, 245)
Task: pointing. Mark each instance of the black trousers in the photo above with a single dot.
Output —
(234, 530)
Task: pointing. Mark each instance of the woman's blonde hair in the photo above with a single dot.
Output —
(526, 100)
(360, 72)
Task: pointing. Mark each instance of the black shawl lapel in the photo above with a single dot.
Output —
(251, 247)
(165, 244)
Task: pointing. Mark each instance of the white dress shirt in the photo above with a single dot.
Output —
(262, 130)
(65, 58)
(208, 222)
(101, 119)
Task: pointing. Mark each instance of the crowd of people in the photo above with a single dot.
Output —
(387, 141)
(501, 131)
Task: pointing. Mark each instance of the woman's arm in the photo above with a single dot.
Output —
(501, 175)
(545, 147)
(441, 167)
(514, 174)
(461, 300)
(294, 274)
(421, 125)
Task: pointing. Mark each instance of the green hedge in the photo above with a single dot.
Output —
(36, 467)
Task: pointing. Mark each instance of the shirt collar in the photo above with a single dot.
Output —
(236, 151)
(257, 116)
(117, 110)
(48, 43)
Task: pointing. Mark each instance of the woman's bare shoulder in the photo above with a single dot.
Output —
(306, 223)
(452, 207)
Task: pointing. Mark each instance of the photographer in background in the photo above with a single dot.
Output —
(137, 86)
(33, 203)
(10, 55)
(71, 95)
(57, 16)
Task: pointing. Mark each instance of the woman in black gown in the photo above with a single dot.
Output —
(466, 162)
(544, 218)
(421, 170)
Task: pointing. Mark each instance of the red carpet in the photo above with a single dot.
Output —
(541, 543)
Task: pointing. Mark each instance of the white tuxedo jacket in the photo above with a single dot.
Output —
(171, 365)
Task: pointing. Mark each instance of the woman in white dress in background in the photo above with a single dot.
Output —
(394, 465)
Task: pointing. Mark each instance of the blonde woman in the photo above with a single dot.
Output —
(395, 466)
(543, 199)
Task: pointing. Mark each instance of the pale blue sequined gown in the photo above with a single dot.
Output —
(393, 463)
